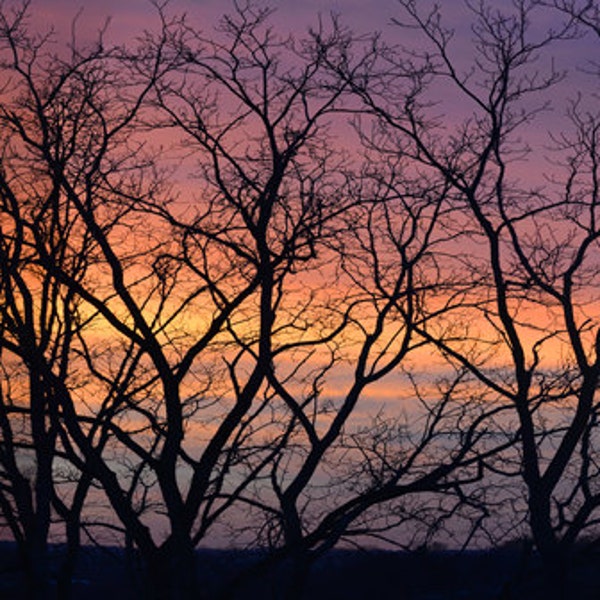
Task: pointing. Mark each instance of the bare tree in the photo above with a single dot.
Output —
(193, 353)
(55, 117)
(39, 319)
(342, 258)
(181, 324)
(528, 332)
(351, 470)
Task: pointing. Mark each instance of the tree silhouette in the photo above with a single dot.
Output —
(529, 253)
(307, 219)
(217, 250)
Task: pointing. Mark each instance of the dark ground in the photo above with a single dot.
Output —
(340, 575)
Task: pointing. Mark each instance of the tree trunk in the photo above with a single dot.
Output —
(554, 556)
(64, 589)
(36, 571)
(172, 572)
(556, 575)
(289, 576)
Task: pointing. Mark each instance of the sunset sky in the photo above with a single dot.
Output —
(130, 16)
(533, 319)
(128, 19)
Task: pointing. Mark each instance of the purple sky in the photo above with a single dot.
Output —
(131, 17)
(136, 12)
